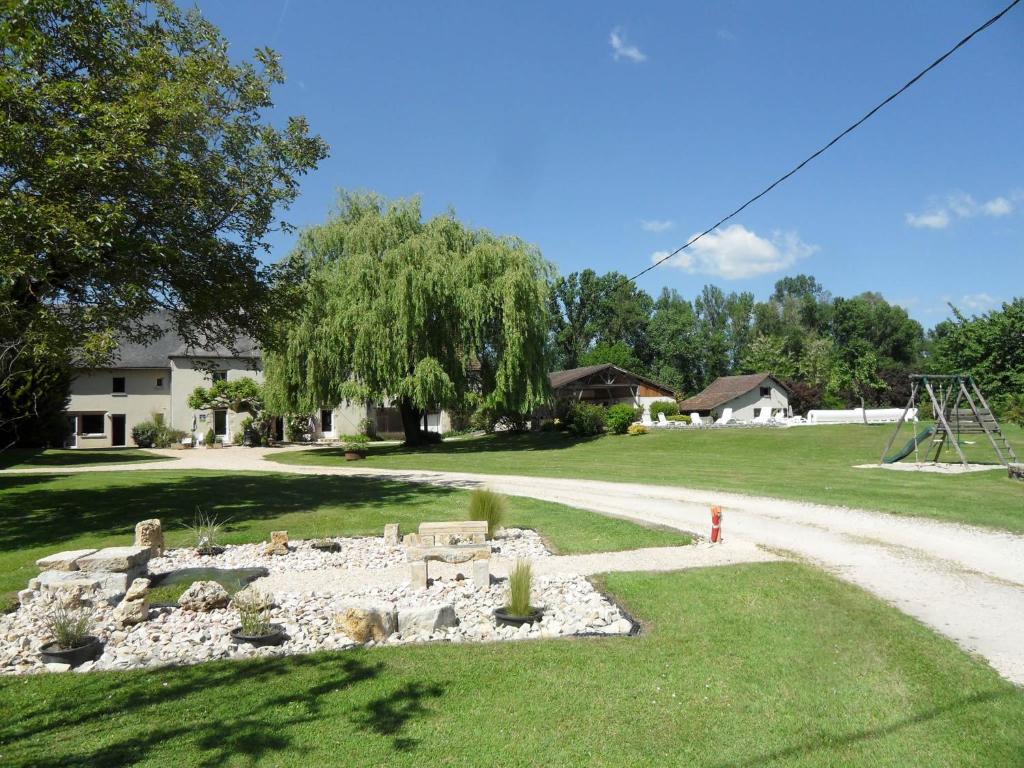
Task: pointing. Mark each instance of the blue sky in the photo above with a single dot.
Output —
(606, 133)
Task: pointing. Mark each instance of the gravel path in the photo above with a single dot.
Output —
(965, 582)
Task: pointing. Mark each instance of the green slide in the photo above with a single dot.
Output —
(908, 449)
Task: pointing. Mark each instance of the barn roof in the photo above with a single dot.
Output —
(559, 379)
(726, 388)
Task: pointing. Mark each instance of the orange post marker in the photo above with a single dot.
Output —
(716, 524)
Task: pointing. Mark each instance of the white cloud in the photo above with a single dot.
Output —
(736, 252)
(656, 225)
(962, 206)
(725, 34)
(933, 220)
(979, 302)
(622, 50)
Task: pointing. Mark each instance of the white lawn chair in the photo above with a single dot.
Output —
(645, 418)
(662, 421)
(726, 417)
(696, 420)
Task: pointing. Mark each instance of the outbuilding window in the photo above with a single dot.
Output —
(766, 391)
(91, 424)
(117, 386)
(219, 376)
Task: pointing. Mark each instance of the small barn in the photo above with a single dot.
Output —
(748, 396)
(606, 384)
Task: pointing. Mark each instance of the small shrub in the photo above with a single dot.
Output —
(368, 428)
(680, 418)
(520, 585)
(586, 419)
(489, 506)
(668, 407)
(206, 532)
(619, 417)
(210, 438)
(355, 443)
(155, 433)
(549, 425)
(637, 429)
(296, 427)
(144, 434)
(253, 612)
(69, 628)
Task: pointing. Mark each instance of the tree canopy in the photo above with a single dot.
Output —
(388, 307)
(137, 173)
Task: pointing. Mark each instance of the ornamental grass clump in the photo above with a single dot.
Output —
(253, 609)
(487, 506)
(520, 585)
(206, 531)
(69, 628)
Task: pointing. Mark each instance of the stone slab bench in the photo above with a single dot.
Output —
(457, 542)
(458, 532)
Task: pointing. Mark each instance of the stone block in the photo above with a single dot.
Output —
(131, 560)
(137, 590)
(454, 532)
(411, 540)
(63, 561)
(391, 535)
(418, 574)
(456, 553)
(363, 623)
(481, 573)
(80, 585)
(131, 612)
(1016, 471)
(150, 533)
(426, 619)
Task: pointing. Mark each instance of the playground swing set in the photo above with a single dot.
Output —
(959, 408)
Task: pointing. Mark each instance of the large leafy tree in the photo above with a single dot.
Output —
(388, 307)
(137, 172)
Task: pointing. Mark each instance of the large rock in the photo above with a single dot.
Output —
(131, 612)
(391, 535)
(363, 623)
(426, 619)
(150, 533)
(63, 561)
(131, 560)
(204, 596)
(138, 590)
(278, 543)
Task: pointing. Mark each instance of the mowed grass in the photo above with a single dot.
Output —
(772, 664)
(804, 463)
(42, 514)
(23, 458)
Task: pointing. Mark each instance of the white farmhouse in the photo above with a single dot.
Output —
(748, 397)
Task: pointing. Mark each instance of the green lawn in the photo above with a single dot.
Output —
(23, 458)
(772, 664)
(42, 514)
(807, 463)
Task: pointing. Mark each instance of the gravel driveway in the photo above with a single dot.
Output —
(966, 583)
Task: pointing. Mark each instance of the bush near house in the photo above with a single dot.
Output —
(681, 418)
(619, 417)
(586, 420)
(154, 433)
(667, 407)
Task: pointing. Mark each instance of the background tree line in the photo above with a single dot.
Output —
(832, 352)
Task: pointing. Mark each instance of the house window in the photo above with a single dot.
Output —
(118, 385)
(92, 424)
(326, 420)
(765, 392)
(219, 376)
(757, 412)
(159, 381)
(220, 423)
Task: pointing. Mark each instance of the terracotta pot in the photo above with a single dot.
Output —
(354, 455)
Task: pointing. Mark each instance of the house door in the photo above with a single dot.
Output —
(220, 423)
(117, 432)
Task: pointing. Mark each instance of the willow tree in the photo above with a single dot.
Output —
(387, 307)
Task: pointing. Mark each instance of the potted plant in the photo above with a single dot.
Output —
(72, 644)
(254, 620)
(518, 611)
(206, 531)
(355, 447)
(210, 440)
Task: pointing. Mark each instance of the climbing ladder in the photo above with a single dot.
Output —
(960, 409)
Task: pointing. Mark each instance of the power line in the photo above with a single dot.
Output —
(849, 130)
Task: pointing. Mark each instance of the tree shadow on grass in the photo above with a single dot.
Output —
(37, 512)
(17, 457)
(245, 710)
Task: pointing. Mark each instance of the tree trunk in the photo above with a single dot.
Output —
(412, 418)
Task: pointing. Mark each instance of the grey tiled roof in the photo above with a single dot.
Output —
(157, 353)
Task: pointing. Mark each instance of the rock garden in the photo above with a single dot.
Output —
(143, 606)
